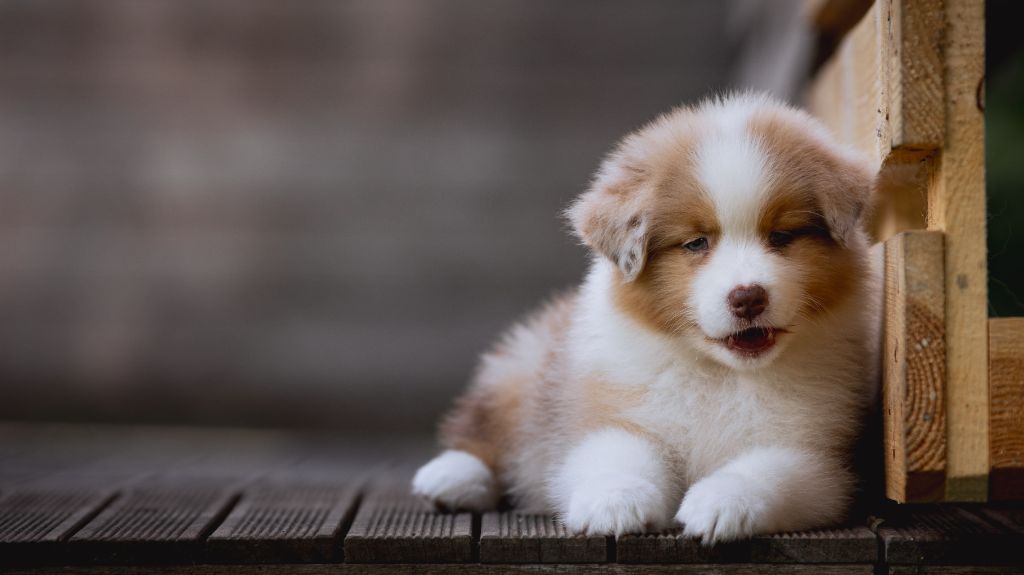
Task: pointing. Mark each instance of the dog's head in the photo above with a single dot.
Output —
(733, 224)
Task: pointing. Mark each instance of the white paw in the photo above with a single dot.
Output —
(616, 505)
(457, 480)
(721, 508)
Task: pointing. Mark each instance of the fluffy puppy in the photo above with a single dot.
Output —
(714, 365)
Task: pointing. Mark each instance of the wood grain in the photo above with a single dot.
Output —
(1006, 408)
(394, 527)
(284, 524)
(882, 90)
(674, 547)
(511, 537)
(957, 207)
(913, 375)
(467, 569)
(849, 544)
(947, 535)
(34, 521)
(153, 523)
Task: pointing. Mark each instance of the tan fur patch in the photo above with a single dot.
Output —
(814, 189)
(488, 418)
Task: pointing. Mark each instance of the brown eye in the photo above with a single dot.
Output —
(780, 239)
(697, 245)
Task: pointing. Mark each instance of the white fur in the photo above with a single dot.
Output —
(456, 480)
(764, 490)
(751, 444)
(612, 482)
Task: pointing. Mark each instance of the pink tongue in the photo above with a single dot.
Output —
(751, 339)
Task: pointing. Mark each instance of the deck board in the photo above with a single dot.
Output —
(510, 537)
(35, 521)
(262, 504)
(154, 523)
(950, 535)
(292, 523)
(394, 527)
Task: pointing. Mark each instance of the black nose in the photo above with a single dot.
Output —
(748, 302)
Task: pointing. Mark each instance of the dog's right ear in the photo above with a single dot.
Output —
(612, 216)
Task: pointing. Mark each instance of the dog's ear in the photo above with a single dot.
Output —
(848, 185)
(611, 217)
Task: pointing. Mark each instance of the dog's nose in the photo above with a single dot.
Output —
(748, 302)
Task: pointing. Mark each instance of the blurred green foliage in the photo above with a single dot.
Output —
(1004, 160)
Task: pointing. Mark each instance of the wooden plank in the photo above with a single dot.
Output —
(510, 537)
(954, 570)
(394, 527)
(284, 524)
(847, 544)
(153, 523)
(34, 521)
(466, 569)
(913, 375)
(882, 90)
(674, 547)
(1006, 408)
(957, 207)
(851, 544)
(947, 535)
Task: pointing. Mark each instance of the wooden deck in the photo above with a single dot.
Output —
(125, 500)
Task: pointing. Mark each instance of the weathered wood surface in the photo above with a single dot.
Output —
(914, 367)
(1006, 408)
(956, 206)
(904, 88)
(466, 569)
(855, 544)
(882, 89)
(392, 526)
(510, 537)
(297, 523)
(300, 511)
(34, 521)
(949, 535)
(154, 523)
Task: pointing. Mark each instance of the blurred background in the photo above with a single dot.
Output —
(317, 214)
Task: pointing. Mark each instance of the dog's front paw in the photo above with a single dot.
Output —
(721, 508)
(614, 506)
(457, 480)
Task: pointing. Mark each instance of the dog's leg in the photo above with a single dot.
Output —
(613, 482)
(457, 480)
(765, 490)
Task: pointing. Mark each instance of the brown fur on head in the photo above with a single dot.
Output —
(800, 196)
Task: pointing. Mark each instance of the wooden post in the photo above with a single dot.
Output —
(914, 374)
(904, 87)
(956, 206)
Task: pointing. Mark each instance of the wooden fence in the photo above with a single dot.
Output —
(903, 81)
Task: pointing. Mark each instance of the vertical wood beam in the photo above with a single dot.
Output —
(914, 368)
(956, 206)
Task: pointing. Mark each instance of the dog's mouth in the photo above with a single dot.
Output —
(752, 342)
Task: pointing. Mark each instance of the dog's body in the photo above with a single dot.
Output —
(719, 353)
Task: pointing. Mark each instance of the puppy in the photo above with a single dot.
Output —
(714, 366)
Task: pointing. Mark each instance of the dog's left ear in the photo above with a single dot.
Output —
(612, 216)
(850, 183)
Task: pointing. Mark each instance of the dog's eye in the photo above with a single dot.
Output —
(697, 245)
(780, 239)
